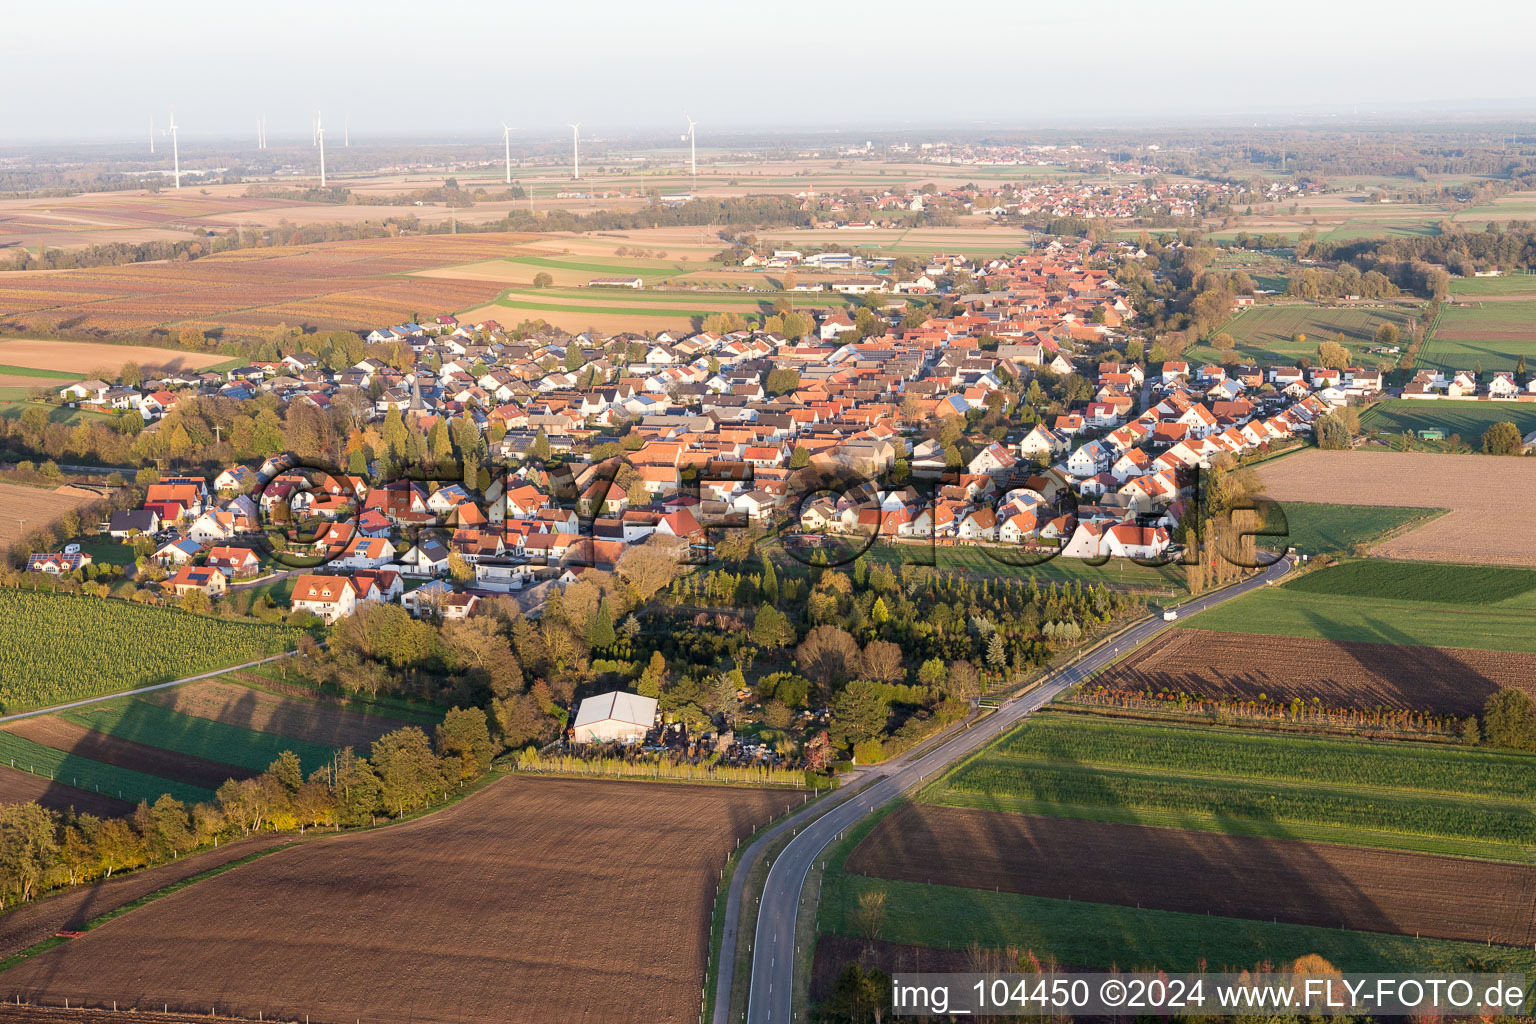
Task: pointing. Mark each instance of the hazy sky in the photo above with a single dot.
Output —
(97, 69)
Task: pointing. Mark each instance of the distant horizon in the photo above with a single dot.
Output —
(856, 66)
(1472, 115)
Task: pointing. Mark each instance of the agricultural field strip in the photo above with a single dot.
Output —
(1194, 872)
(83, 773)
(1072, 930)
(34, 371)
(1189, 749)
(1433, 582)
(153, 725)
(1378, 810)
(442, 943)
(1217, 821)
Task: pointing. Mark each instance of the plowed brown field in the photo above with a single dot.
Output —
(1198, 872)
(98, 746)
(233, 704)
(28, 508)
(1447, 680)
(19, 787)
(28, 923)
(1487, 497)
(330, 285)
(553, 900)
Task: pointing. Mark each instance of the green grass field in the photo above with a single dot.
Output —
(156, 726)
(1510, 284)
(1313, 528)
(1420, 798)
(108, 552)
(1102, 935)
(1292, 610)
(552, 307)
(624, 267)
(1492, 335)
(16, 400)
(1434, 768)
(83, 773)
(1419, 581)
(671, 297)
(42, 375)
(974, 561)
(1468, 419)
(1264, 333)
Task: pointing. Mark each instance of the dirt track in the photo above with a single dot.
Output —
(1340, 673)
(1198, 872)
(537, 899)
(167, 764)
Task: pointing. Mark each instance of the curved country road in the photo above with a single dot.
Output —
(770, 998)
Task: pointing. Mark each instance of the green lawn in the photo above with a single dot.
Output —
(1292, 610)
(1469, 419)
(83, 773)
(550, 307)
(157, 726)
(1263, 333)
(1313, 528)
(108, 552)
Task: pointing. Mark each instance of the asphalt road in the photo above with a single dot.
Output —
(773, 950)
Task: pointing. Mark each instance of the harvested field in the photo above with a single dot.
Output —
(19, 787)
(55, 732)
(330, 285)
(89, 357)
(28, 508)
(1339, 673)
(1477, 529)
(1196, 872)
(233, 704)
(27, 923)
(535, 899)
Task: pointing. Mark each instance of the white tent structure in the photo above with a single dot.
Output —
(614, 716)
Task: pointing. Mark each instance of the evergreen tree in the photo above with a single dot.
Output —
(770, 581)
(600, 630)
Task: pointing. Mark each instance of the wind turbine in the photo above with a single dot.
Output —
(151, 133)
(320, 141)
(576, 151)
(506, 137)
(693, 157)
(175, 149)
(346, 130)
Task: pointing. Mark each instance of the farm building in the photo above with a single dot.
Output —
(614, 716)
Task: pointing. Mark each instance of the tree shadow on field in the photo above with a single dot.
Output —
(1410, 675)
(1141, 862)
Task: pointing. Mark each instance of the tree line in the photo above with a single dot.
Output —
(404, 771)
